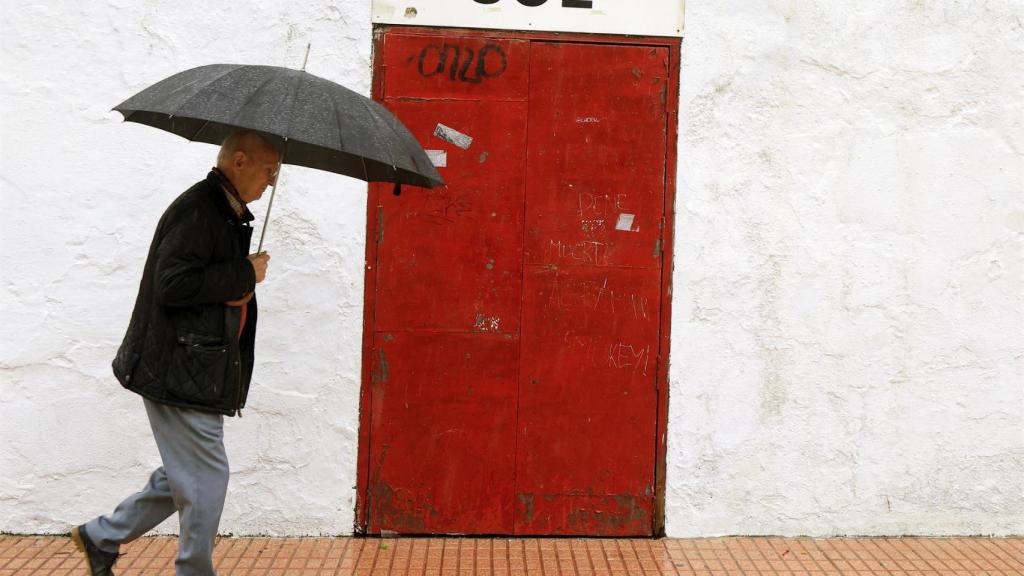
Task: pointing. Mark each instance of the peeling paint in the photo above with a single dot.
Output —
(486, 323)
(527, 501)
(398, 513)
(381, 373)
(606, 517)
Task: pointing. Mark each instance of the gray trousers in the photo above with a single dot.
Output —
(192, 482)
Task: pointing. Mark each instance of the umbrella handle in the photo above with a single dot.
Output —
(266, 219)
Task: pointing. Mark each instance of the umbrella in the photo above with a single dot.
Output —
(316, 123)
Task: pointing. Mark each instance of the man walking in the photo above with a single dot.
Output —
(188, 352)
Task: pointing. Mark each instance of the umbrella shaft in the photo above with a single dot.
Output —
(266, 219)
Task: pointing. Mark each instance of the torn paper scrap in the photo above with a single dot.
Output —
(439, 158)
(625, 223)
(453, 136)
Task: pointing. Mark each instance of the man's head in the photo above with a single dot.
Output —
(250, 161)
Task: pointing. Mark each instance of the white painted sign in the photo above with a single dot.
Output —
(637, 17)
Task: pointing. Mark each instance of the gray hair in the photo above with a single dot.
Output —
(245, 141)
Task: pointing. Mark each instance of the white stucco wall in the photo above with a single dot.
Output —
(848, 355)
(81, 196)
(848, 322)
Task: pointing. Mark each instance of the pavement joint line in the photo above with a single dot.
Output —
(346, 556)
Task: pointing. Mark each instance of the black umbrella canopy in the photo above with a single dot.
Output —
(318, 123)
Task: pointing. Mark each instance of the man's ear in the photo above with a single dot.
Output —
(239, 159)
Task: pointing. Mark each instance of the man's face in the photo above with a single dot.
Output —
(252, 173)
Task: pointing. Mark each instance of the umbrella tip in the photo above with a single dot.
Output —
(306, 59)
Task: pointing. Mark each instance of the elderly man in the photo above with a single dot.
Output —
(188, 352)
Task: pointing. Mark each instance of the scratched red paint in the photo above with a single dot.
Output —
(452, 254)
(516, 312)
(443, 433)
(591, 313)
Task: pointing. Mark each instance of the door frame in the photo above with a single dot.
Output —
(374, 208)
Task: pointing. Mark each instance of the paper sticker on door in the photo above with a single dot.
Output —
(625, 223)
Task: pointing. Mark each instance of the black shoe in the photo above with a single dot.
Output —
(98, 561)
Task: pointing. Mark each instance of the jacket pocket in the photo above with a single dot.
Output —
(199, 369)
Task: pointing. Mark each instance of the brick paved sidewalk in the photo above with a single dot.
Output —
(545, 557)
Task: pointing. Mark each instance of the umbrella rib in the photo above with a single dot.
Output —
(200, 91)
(336, 110)
(337, 122)
(194, 82)
(291, 112)
(390, 127)
(206, 121)
(196, 133)
(249, 99)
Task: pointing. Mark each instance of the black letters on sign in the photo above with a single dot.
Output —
(588, 4)
(459, 62)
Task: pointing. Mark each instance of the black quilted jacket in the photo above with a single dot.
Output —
(182, 346)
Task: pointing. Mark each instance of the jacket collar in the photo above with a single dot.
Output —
(219, 181)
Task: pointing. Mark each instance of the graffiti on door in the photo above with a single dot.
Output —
(462, 63)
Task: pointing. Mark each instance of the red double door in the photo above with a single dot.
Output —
(516, 313)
